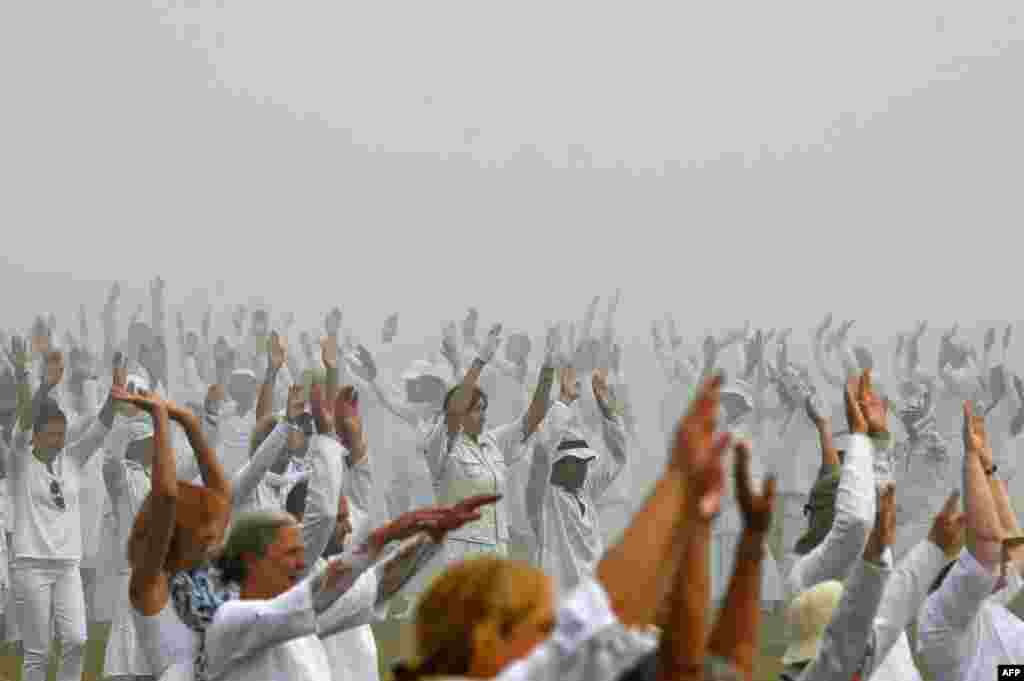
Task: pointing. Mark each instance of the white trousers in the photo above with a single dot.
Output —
(49, 599)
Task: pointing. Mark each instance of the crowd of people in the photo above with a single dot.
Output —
(218, 500)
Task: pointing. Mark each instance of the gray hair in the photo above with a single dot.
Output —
(251, 533)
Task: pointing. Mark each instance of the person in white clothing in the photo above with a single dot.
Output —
(568, 478)
(46, 477)
(965, 628)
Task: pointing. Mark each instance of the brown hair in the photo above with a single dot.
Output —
(196, 507)
(486, 596)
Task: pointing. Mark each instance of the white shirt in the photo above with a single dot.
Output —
(289, 631)
(236, 432)
(253, 488)
(570, 541)
(42, 530)
(964, 630)
(462, 468)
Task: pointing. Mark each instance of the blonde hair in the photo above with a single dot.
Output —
(196, 507)
(476, 600)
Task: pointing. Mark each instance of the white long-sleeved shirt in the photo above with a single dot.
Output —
(854, 518)
(252, 488)
(844, 645)
(964, 630)
(570, 541)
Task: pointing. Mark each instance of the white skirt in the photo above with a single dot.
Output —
(124, 655)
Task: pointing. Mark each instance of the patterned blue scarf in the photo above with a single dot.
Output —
(196, 595)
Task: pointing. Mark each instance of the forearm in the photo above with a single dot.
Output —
(684, 638)
(1004, 507)
(541, 400)
(829, 455)
(735, 634)
(265, 400)
(644, 552)
(209, 466)
(984, 531)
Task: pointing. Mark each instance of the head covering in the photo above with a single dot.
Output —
(822, 506)
(807, 617)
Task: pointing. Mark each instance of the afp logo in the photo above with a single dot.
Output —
(1011, 671)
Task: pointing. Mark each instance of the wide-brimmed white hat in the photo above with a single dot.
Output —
(807, 617)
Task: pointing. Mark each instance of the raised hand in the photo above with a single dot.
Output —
(490, 345)
(347, 420)
(469, 325)
(659, 342)
(874, 409)
(599, 384)
(120, 370)
(697, 451)
(390, 330)
(569, 386)
(450, 344)
(920, 330)
(329, 351)
(756, 508)
(974, 434)
(1007, 337)
(817, 409)
(323, 410)
(948, 529)
(366, 359)
(17, 355)
(822, 329)
(277, 351)
(207, 323)
(332, 323)
(552, 343)
(296, 404)
(990, 340)
(855, 419)
(241, 312)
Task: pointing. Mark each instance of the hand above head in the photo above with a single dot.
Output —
(697, 451)
(947, 530)
(756, 508)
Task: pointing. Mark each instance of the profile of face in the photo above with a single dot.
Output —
(282, 564)
(51, 437)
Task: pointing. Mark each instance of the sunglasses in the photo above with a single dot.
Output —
(58, 496)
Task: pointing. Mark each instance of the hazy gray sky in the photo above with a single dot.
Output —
(412, 157)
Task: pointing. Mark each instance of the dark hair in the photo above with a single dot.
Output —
(478, 396)
(47, 411)
(296, 501)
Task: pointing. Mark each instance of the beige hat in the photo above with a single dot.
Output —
(807, 617)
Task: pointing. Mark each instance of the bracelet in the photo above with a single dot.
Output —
(992, 470)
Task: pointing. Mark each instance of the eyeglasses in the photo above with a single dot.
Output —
(58, 496)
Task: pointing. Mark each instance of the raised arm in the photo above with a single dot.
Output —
(148, 587)
(210, 467)
(985, 533)
(463, 396)
(277, 354)
(735, 636)
(855, 505)
(325, 483)
(644, 554)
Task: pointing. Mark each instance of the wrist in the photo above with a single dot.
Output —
(479, 363)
